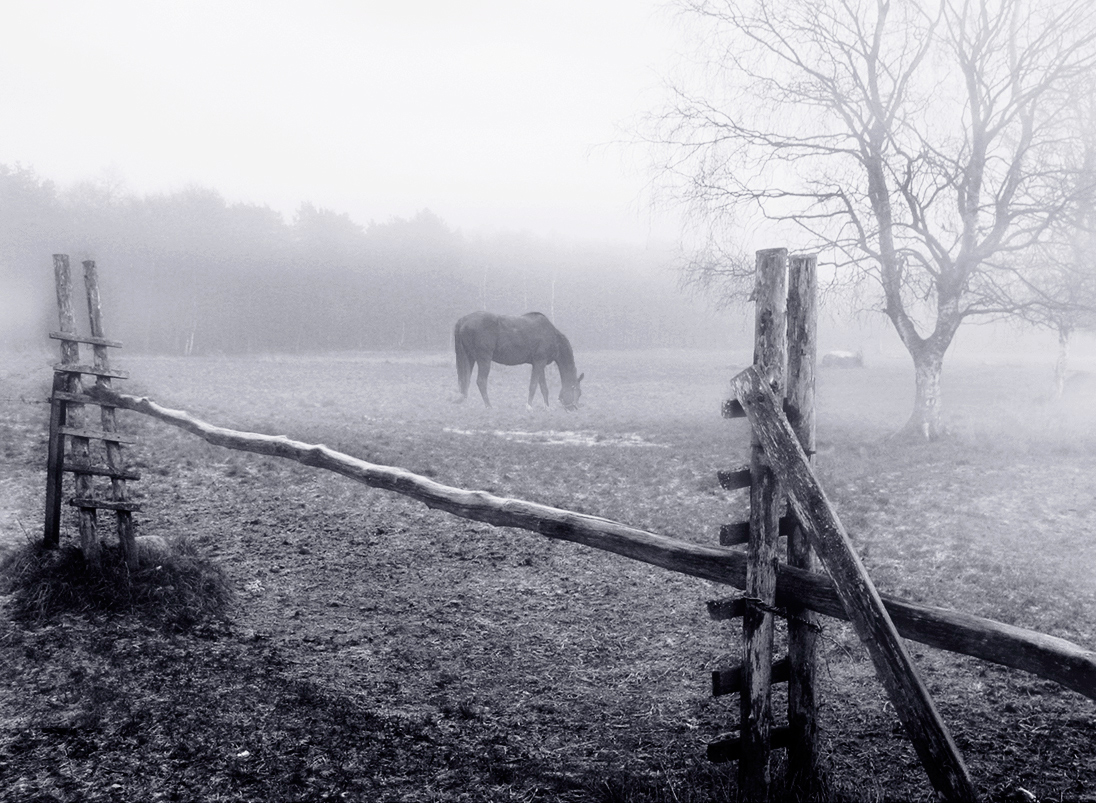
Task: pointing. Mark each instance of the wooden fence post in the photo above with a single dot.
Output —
(802, 622)
(58, 417)
(861, 601)
(770, 359)
(70, 417)
(107, 418)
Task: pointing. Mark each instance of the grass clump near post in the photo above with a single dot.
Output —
(174, 588)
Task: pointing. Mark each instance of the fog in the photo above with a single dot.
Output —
(254, 176)
(190, 273)
(497, 116)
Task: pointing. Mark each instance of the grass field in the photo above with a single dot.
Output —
(378, 650)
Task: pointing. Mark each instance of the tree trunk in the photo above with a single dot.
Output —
(1062, 363)
(928, 365)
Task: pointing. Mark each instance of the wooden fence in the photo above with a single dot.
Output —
(780, 468)
(1047, 656)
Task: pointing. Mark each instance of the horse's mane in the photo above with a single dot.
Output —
(565, 359)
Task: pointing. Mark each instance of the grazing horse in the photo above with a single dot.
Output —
(483, 337)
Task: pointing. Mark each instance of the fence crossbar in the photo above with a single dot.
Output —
(1050, 657)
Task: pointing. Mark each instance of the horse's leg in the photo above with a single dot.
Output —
(481, 379)
(536, 377)
(464, 375)
(543, 380)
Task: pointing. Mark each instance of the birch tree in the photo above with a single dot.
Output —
(917, 145)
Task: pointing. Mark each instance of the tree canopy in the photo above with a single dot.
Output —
(923, 148)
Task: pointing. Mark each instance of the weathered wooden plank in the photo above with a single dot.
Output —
(739, 532)
(729, 681)
(94, 341)
(101, 471)
(804, 772)
(1047, 656)
(720, 610)
(78, 398)
(92, 503)
(90, 370)
(734, 607)
(732, 408)
(98, 434)
(729, 748)
(734, 479)
(930, 736)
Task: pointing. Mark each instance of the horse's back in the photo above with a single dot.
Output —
(476, 334)
(475, 322)
(508, 339)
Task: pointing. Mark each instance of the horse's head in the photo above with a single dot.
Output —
(570, 392)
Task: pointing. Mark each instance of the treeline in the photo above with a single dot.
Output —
(188, 273)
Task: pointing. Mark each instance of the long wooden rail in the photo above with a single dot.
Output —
(1047, 656)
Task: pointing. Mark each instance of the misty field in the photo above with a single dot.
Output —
(377, 650)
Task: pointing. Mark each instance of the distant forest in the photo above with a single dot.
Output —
(189, 273)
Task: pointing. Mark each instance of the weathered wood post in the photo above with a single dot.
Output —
(770, 359)
(107, 418)
(58, 417)
(802, 622)
(71, 422)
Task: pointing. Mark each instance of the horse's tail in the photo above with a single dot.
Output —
(464, 360)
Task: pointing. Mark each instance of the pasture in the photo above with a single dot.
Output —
(381, 651)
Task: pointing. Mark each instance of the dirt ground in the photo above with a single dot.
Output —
(378, 650)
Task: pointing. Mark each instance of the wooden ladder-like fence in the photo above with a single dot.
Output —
(69, 421)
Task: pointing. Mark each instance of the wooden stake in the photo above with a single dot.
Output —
(70, 355)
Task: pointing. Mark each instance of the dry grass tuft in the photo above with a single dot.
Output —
(176, 593)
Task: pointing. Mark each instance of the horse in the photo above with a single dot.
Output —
(483, 337)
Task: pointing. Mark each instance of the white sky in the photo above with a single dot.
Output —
(488, 112)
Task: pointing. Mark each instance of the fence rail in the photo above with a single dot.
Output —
(1050, 657)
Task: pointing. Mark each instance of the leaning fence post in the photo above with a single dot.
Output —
(893, 665)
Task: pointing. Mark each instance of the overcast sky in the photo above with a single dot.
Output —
(495, 114)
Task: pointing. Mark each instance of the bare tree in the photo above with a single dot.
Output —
(1068, 304)
(920, 147)
(1058, 290)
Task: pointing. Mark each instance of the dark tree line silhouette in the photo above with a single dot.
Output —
(188, 273)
